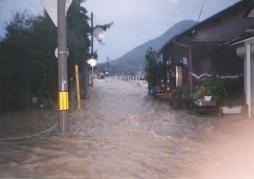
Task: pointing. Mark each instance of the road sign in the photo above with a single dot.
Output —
(51, 8)
(56, 52)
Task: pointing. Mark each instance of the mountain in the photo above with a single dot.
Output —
(134, 60)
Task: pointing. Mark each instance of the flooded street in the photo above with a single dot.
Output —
(122, 132)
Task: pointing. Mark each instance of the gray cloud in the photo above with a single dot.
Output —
(135, 21)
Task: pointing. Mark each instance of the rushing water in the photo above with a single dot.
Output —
(121, 132)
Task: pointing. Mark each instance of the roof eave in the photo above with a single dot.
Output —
(192, 29)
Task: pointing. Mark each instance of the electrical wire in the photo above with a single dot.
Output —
(132, 19)
(201, 11)
(37, 137)
(131, 32)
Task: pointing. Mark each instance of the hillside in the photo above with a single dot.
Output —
(134, 60)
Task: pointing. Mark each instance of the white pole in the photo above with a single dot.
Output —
(248, 80)
(92, 77)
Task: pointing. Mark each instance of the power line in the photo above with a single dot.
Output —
(144, 20)
(201, 11)
(127, 31)
(16, 140)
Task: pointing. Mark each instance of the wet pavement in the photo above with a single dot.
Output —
(122, 132)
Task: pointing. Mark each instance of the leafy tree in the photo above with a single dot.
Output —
(15, 48)
(79, 34)
(78, 31)
(43, 36)
(27, 51)
(152, 68)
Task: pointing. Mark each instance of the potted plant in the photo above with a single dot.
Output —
(205, 91)
(231, 106)
(177, 97)
(211, 86)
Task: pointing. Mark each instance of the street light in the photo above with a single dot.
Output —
(98, 33)
(92, 62)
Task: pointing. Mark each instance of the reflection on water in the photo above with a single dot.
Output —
(121, 132)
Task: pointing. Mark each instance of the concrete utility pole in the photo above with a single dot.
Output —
(92, 47)
(92, 33)
(63, 120)
(57, 10)
(107, 66)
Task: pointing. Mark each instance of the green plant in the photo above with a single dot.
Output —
(213, 86)
(231, 102)
(152, 68)
(228, 102)
(179, 92)
(203, 90)
(176, 94)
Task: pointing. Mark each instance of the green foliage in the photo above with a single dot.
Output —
(234, 101)
(216, 86)
(79, 35)
(19, 56)
(179, 92)
(152, 68)
(203, 90)
(27, 51)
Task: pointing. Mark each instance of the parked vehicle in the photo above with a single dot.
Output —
(101, 76)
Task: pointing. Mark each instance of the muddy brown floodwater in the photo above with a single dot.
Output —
(122, 132)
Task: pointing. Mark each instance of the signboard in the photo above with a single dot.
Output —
(51, 8)
(56, 52)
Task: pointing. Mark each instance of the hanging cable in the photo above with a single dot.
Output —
(123, 29)
(201, 11)
(17, 140)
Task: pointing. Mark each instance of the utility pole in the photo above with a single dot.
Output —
(57, 10)
(63, 121)
(92, 33)
(92, 46)
(107, 66)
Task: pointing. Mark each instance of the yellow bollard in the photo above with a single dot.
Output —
(77, 86)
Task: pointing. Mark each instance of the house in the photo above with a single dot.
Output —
(244, 43)
(202, 50)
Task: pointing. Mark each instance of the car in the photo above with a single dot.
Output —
(101, 76)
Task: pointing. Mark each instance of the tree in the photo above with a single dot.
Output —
(79, 34)
(27, 51)
(152, 69)
(15, 48)
(18, 62)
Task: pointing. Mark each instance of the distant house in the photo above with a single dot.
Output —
(202, 49)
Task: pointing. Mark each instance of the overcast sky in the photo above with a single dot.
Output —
(135, 21)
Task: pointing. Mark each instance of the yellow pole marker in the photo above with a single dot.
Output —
(63, 100)
(77, 86)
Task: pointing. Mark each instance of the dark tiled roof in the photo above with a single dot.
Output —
(246, 33)
(207, 21)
